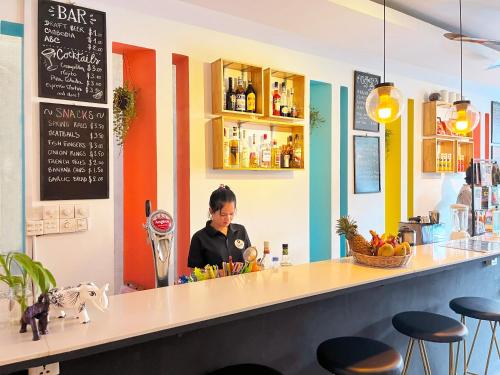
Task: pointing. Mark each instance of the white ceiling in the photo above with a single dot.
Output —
(350, 31)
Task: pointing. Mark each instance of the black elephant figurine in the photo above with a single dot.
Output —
(40, 311)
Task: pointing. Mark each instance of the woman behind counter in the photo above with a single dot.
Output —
(220, 238)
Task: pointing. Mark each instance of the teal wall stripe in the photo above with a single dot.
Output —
(344, 161)
(17, 30)
(320, 175)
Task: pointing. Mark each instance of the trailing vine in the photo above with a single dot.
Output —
(315, 119)
(124, 111)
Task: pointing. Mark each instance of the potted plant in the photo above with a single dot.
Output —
(316, 120)
(124, 111)
(18, 271)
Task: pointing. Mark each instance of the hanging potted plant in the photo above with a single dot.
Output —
(316, 120)
(124, 111)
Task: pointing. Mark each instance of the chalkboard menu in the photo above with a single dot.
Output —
(73, 152)
(363, 85)
(495, 122)
(366, 164)
(71, 52)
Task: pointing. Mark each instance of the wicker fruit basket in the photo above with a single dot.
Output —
(381, 261)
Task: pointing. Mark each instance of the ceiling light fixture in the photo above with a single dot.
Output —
(464, 116)
(385, 102)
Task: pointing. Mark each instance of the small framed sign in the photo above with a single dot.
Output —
(495, 122)
(366, 164)
(364, 83)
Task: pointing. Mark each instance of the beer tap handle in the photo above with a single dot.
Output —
(148, 208)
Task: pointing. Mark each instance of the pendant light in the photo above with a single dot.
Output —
(385, 102)
(464, 116)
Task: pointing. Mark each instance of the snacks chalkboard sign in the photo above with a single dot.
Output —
(366, 164)
(495, 122)
(364, 83)
(71, 52)
(73, 152)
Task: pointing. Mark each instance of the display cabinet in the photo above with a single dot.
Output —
(295, 94)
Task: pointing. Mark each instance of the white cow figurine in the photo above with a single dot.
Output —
(76, 298)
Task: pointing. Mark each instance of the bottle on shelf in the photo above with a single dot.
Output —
(244, 151)
(291, 102)
(266, 261)
(241, 101)
(284, 103)
(276, 100)
(230, 96)
(275, 156)
(251, 97)
(234, 146)
(226, 149)
(254, 154)
(265, 153)
(297, 152)
(449, 163)
(285, 260)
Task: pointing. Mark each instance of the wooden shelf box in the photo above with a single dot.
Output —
(434, 112)
(433, 149)
(222, 69)
(275, 130)
(293, 80)
(465, 149)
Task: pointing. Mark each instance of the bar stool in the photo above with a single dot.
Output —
(481, 309)
(358, 355)
(246, 369)
(425, 326)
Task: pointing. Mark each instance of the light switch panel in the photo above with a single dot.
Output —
(81, 211)
(67, 225)
(34, 227)
(51, 226)
(50, 212)
(81, 225)
(66, 211)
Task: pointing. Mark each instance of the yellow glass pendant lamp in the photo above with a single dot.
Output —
(384, 104)
(464, 116)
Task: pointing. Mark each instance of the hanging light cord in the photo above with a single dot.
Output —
(461, 52)
(384, 39)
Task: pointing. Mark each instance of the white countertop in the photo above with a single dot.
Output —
(140, 313)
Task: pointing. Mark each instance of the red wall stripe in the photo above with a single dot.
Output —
(487, 135)
(181, 63)
(139, 164)
(477, 140)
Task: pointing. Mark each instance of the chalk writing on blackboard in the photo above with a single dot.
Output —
(366, 164)
(363, 85)
(73, 152)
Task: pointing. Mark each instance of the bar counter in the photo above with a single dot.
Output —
(238, 313)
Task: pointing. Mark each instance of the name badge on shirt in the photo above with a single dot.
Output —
(239, 244)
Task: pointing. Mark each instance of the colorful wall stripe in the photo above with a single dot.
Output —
(410, 157)
(344, 161)
(393, 177)
(476, 135)
(320, 175)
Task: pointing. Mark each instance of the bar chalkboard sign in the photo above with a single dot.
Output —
(495, 122)
(366, 164)
(363, 85)
(73, 152)
(71, 52)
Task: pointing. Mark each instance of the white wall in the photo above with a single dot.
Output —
(273, 206)
(11, 10)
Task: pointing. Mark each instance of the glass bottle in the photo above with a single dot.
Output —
(276, 263)
(285, 261)
(284, 103)
(241, 102)
(265, 153)
(266, 261)
(276, 100)
(234, 146)
(251, 96)
(297, 152)
(275, 155)
(291, 102)
(230, 97)
(244, 152)
(226, 149)
(254, 154)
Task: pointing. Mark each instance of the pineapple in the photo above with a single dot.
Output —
(348, 227)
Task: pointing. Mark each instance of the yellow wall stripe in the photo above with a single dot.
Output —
(410, 156)
(393, 177)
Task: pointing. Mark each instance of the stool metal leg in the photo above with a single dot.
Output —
(426, 357)
(451, 361)
(495, 338)
(423, 355)
(491, 347)
(473, 342)
(462, 320)
(409, 351)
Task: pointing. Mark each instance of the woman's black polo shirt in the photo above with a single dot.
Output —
(209, 246)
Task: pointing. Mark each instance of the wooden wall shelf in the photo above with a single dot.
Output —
(433, 112)
(293, 80)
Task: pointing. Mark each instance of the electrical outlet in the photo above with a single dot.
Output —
(81, 225)
(67, 225)
(48, 369)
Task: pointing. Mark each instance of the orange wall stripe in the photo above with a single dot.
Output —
(476, 135)
(183, 227)
(139, 164)
(487, 135)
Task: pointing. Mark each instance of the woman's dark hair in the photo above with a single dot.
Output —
(221, 196)
(468, 175)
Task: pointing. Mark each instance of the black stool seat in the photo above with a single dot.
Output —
(422, 325)
(477, 307)
(359, 355)
(246, 369)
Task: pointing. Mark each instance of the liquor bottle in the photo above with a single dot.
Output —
(284, 103)
(230, 97)
(285, 260)
(291, 103)
(251, 98)
(244, 152)
(234, 146)
(226, 150)
(241, 102)
(275, 156)
(254, 154)
(276, 100)
(266, 262)
(265, 153)
(297, 152)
